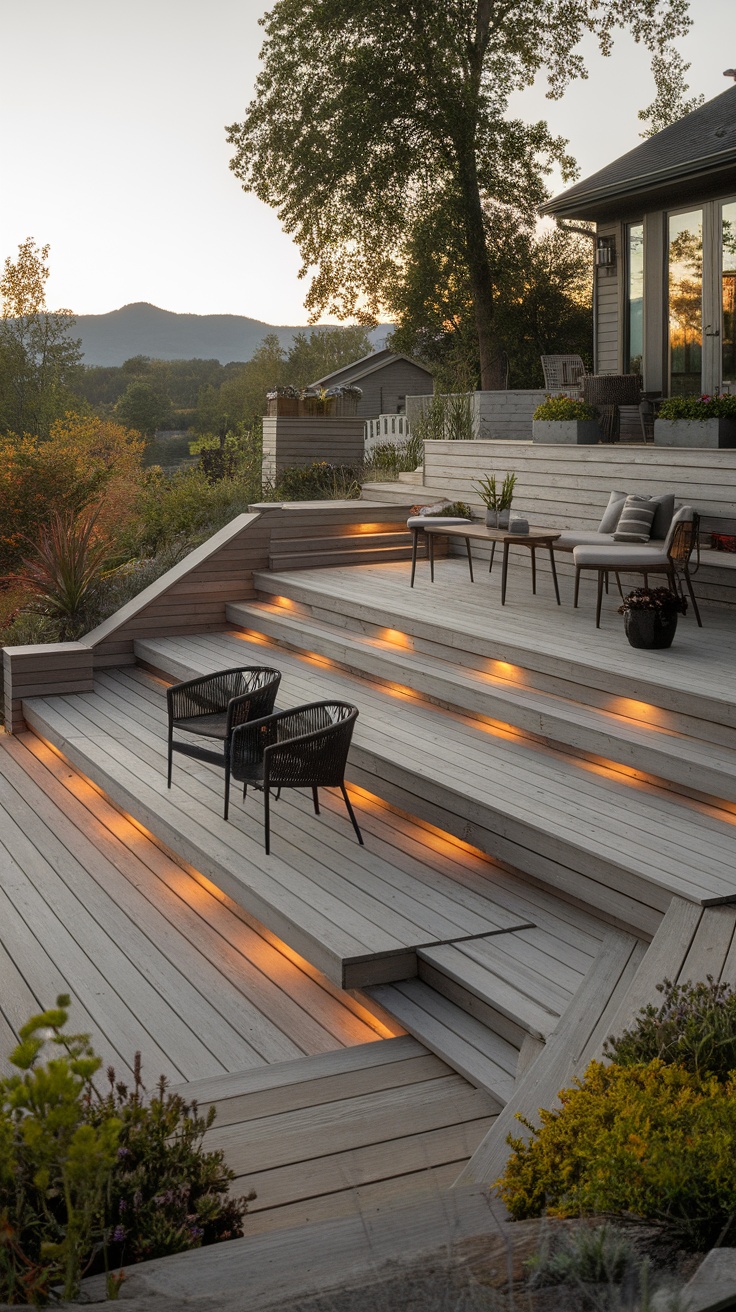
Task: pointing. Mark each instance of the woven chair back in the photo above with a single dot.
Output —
(684, 540)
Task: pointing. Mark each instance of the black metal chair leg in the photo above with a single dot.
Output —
(430, 537)
(534, 571)
(688, 580)
(599, 601)
(414, 541)
(171, 754)
(618, 581)
(351, 813)
(267, 819)
(577, 587)
(606, 576)
(315, 799)
(227, 789)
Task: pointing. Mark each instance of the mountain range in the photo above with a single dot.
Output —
(143, 329)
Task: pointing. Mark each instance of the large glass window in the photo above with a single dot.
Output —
(634, 297)
(728, 294)
(686, 302)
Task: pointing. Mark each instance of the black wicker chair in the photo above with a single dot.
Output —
(306, 747)
(211, 706)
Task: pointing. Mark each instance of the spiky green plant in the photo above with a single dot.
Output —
(64, 568)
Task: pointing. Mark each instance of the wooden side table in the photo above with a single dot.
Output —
(536, 537)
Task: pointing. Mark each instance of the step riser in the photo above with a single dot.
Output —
(709, 721)
(305, 559)
(470, 1003)
(552, 728)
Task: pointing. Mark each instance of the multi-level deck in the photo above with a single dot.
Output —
(549, 819)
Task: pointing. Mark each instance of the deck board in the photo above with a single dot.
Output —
(155, 959)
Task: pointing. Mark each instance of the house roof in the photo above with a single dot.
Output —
(701, 143)
(367, 364)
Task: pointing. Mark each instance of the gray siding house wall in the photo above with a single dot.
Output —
(385, 380)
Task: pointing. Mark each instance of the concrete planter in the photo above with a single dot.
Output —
(572, 432)
(695, 432)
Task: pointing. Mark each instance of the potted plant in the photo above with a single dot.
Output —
(564, 419)
(708, 421)
(650, 616)
(497, 500)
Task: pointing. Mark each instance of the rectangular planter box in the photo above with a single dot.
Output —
(695, 432)
(572, 432)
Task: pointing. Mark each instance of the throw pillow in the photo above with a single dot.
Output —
(635, 524)
(664, 510)
(612, 512)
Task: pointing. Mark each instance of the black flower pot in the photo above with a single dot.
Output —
(650, 628)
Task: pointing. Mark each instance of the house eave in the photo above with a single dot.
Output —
(610, 199)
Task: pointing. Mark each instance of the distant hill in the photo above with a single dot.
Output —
(143, 329)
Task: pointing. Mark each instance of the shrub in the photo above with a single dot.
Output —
(320, 481)
(657, 1141)
(698, 407)
(663, 600)
(86, 1178)
(187, 506)
(563, 407)
(64, 570)
(695, 1027)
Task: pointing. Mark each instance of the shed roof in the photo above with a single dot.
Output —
(701, 143)
(367, 364)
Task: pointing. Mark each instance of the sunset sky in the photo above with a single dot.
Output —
(112, 146)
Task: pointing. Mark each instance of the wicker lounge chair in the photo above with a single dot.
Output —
(306, 747)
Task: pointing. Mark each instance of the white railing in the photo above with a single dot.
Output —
(386, 428)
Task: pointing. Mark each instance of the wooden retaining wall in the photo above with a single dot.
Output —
(567, 487)
(193, 596)
(300, 440)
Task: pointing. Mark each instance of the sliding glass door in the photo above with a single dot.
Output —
(685, 302)
(728, 294)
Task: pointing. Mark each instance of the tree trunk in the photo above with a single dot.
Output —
(492, 363)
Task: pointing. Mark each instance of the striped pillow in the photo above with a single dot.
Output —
(635, 524)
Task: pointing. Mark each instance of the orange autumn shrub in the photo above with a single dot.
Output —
(84, 460)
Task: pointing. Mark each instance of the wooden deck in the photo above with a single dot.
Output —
(156, 958)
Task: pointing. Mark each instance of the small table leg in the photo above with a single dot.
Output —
(504, 572)
(470, 559)
(414, 541)
(430, 536)
(554, 574)
(493, 552)
(534, 571)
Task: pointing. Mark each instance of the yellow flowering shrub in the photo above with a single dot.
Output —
(656, 1141)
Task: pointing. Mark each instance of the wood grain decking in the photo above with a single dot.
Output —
(155, 957)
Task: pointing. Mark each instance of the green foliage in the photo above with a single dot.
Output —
(661, 600)
(29, 627)
(453, 510)
(559, 408)
(142, 407)
(695, 1026)
(492, 496)
(88, 1179)
(166, 1194)
(445, 418)
(39, 360)
(64, 569)
(188, 506)
(651, 1140)
(698, 407)
(669, 104)
(599, 1255)
(319, 481)
(394, 458)
(357, 176)
(54, 1165)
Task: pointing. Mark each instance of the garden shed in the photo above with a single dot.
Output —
(385, 379)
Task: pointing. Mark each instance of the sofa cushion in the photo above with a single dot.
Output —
(664, 510)
(570, 539)
(421, 521)
(612, 512)
(635, 523)
(621, 556)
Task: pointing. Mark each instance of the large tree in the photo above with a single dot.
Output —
(371, 114)
(39, 359)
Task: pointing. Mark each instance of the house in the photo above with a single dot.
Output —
(665, 275)
(385, 379)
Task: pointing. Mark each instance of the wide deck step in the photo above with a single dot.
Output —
(328, 1136)
(610, 839)
(482, 1056)
(665, 753)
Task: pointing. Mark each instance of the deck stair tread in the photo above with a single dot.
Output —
(406, 888)
(597, 821)
(484, 1057)
(694, 677)
(680, 758)
(309, 1135)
